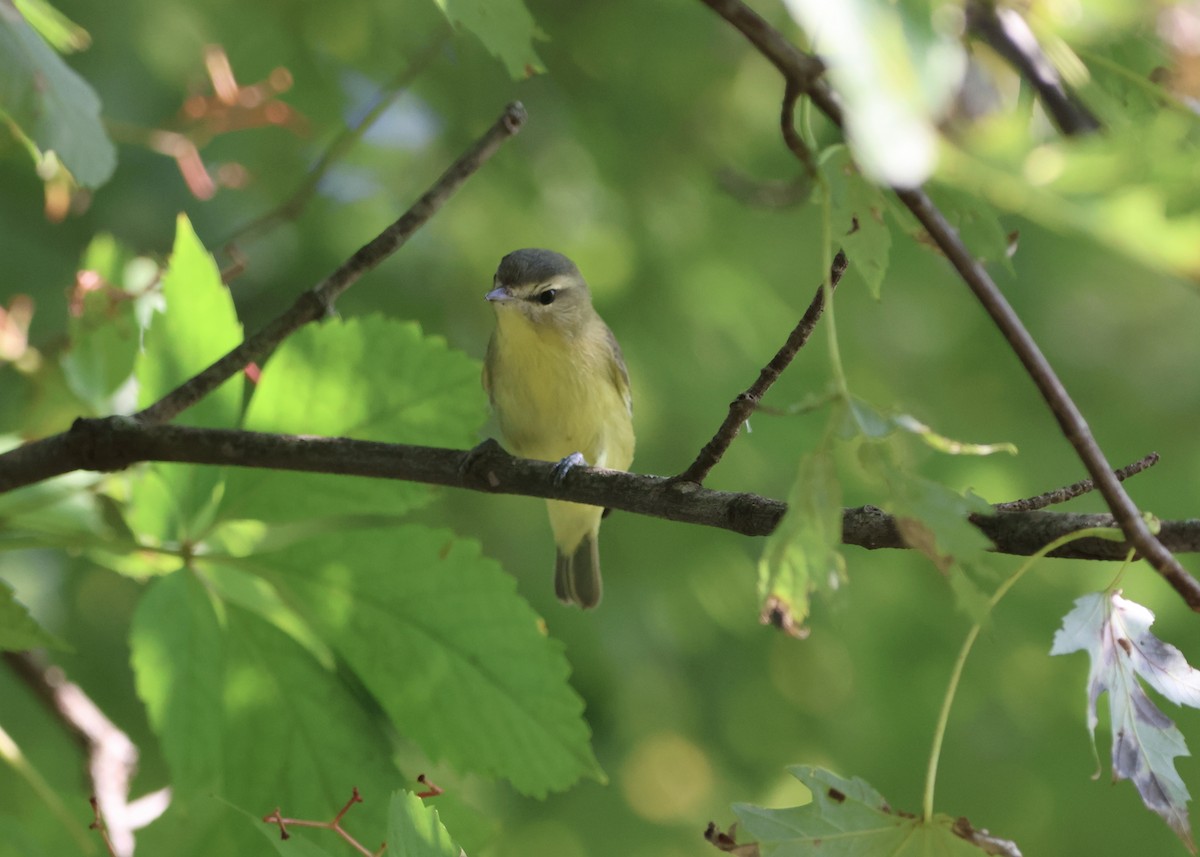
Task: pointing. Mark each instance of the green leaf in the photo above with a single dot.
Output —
(415, 830)
(1129, 189)
(198, 326)
(861, 418)
(51, 105)
(505, 27)
(178, 660)
(55, 27)
(296, 736)
(802, 553)
(372, 379)
(1115, 632)
(975, 220)
(20, 631)
(256, 595)
(969, 596)
(300, 844)
(439, 636)
(945, 444)
(133, 560)
(103, 329)
(858, 209)
(64, 512)
(206, 825)
(933, 518)
(848, 818)
(21, 838)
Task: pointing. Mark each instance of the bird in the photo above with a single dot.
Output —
(558, 385)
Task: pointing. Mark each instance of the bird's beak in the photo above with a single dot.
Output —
(499, 294)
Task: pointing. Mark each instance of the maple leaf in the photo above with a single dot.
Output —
(849, 818)
(1116, 635)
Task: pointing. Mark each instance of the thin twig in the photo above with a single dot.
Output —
(335, 825)
(431, 789)
(795, 65)
(1007, 33)
(112, 756)
(111, 443)
(99, 825)
(745, 404)
(1070, 492)
(318, 301)
(291, 207)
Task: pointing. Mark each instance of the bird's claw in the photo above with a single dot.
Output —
(474, 456)
(575, 459)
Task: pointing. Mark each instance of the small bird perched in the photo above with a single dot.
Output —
(560, 390)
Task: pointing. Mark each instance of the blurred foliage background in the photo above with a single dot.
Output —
(643, 112)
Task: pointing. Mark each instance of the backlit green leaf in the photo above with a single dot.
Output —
(802, 553)
(505, 27)
(858, 218)
(296, 735)
(415, 830)
(198, 326)
(18, 630)
(372, 379)
(439, 636)
(177, 648)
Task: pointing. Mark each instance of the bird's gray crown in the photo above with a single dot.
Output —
(533, 265)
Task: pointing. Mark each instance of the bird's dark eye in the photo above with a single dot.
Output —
(547, 297)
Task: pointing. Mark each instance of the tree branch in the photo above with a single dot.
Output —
(112, 756)
(1007, 33)
(787, 124)
(33, 461)
(796, 66)
(1077, 489)
(745, 404)
(318, 301)
(1071, 421)
(112, 443)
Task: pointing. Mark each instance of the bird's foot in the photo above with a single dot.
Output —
(474, 456)
(575, 459)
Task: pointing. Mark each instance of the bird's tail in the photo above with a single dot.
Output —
(577, 574)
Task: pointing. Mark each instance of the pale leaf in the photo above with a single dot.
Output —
(1116, 635)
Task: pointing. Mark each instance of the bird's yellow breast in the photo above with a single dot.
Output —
(555, 393)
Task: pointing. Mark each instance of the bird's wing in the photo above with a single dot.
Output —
(487, 375)
(620, 375)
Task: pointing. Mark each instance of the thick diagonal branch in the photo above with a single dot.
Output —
(1008, 34)
(797, 67)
